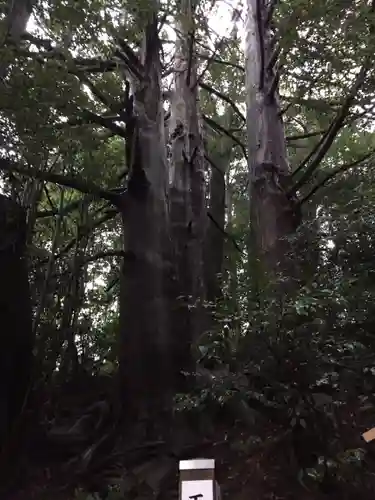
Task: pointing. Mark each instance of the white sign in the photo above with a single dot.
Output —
(197, 490)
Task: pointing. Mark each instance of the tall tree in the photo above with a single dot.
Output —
(273, 212)
(188, 206)
(145, 352)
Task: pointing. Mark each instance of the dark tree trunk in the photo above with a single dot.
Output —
(145, 351)
(17, 339)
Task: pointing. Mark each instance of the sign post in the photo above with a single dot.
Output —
(197, 480)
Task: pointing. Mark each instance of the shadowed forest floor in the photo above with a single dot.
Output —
(64, 464)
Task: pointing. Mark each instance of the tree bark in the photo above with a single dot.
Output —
(145, 352)
(17, 339)
(187, 192)
(274, 214)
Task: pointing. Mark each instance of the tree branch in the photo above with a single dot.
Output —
(298, 137)
(67, 209)
(230, 237)
(333, 130)
(216, 126)
(110, 214)
(213, 164)
(224, 98)
(104, 255)
(331, 175)
(91, 117)
(220, 61)
(74, 183)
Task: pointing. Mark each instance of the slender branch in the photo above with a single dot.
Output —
(216, 126)
(334, 173)
(333, 130)
(220, 61)
(274, 57)
(39, 42)
(74, 183)
(210, 60)
(104, 255)
(230, 237)
(213, 165)
(110, 214)
(95, 91)
(91, 117)
(298, 137)
(224, 98)
(67, 209)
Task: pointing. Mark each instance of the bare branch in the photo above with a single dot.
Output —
(210, 60)
(108, 215)
(216, 126)
(298, 137)
(224, 98)
(220, 61)
(91, 117)
(67, 209)
(333, 174)
(104, 255)
(323, 146)
(230, 237)
(74, 183)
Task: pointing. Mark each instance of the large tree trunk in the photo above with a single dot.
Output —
(17, 339)
(274, 213)
(145, 353)
(187, 192)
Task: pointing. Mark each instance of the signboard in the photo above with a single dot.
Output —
(197, 480)
(197, 490)
(369, 435)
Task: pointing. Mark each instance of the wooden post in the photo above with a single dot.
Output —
(197, 480)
